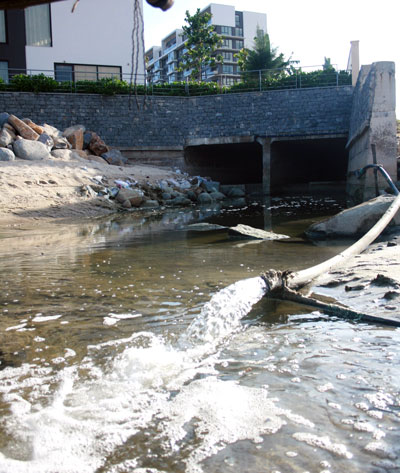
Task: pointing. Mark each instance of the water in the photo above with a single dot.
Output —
(133, 345)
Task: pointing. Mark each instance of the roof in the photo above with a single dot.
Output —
(9, 4)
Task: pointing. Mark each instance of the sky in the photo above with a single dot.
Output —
(306, 30)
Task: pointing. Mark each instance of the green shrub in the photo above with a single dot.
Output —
(38, 83)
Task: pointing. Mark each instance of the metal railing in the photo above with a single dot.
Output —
(106, 83)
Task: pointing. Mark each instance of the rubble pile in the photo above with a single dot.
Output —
(22, 139)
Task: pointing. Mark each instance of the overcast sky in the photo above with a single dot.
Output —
(307, 30)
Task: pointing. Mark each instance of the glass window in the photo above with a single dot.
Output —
(239, 44)
(227, 43)
(4, 71)
(227, 56)
(237, 19)
(226, 30)
(3, 35)
(227, 69)
(239, 31)
(85, 72)
(109, 71)
(37, 25)
(63, 72)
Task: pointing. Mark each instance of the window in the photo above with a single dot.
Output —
(4, 71)
(227, 69)
(227, 56)
(226, 30)
(77, 72)
(227, 43)
(237, 19)
(239, 44)
(37, 25)
(3, 34)
(239, 31)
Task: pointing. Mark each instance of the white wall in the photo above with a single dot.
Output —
(98, 32)
(222, 15)
(250, 22)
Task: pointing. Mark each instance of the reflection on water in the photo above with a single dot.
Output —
(113, 358)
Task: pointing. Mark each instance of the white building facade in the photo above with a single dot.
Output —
(237, 29)
(94, 41)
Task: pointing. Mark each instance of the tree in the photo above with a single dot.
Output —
(262, 56)
(201, 44)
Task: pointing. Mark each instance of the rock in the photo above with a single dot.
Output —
(114, 157)
(3, 118)
(166, 196)
(22, 128)
(97, 145)
(233, 191)
(66, 155)
(10, 129)
(39, 130)
(206, 227)
(30, 150)
(51, 131)
(97, 159)
(210, 186)
(75, 139)
(5, 138)
(150, 204)
(354, 221)
(72, 129)
(191, 195)
(6, 155)
(217, 196)
(87, 137)
(205, 198)
(134, 196)
(245, 231)
(61, 143)
(239, 202)
(180, 201)
(47, 140)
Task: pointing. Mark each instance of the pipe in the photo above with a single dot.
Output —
(301, 278)
(360, 172)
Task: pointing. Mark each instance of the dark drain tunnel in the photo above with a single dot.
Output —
(294, 162)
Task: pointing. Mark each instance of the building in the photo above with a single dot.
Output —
(92, 42)
(237, 28)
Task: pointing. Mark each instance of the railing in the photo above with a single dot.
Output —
(33, 80)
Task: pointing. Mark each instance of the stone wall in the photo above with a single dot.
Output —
(372, 136)
(172, 121)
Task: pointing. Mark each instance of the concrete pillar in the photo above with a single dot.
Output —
(355, 61)
(266, 150)
(373, 129)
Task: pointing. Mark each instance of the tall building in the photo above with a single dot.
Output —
(237, 29)
(92, 42)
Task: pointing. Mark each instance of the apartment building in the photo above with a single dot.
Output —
(92, 42)
(237, 29)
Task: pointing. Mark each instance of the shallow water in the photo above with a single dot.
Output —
(129, 345)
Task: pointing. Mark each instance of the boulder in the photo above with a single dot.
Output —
(114, 157)
(47, 140)
(51, 130)
(97, 145)
(75, 138)
(134, 196)
(180, 201)
(205, 198)
(30, 150)
(87, 137)
(61, 143)
(150, 204)
(22, 128)
(3, 118)
(191, 195)
(97, 159)
(10, 129)
(5, 138)
(233, 191)
(206, 227)
(210, 186)
(72, 129)
(6, 155)
(247, 232)
(39, 130)
(217, 196)
(166, 196)
(66, 155)
(354, 221)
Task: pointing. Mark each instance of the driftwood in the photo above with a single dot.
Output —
(280, 284)
(17, 4)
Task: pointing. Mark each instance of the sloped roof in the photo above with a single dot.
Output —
(9, 4)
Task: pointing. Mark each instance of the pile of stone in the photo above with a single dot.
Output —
(25, 139)
(180, 192)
